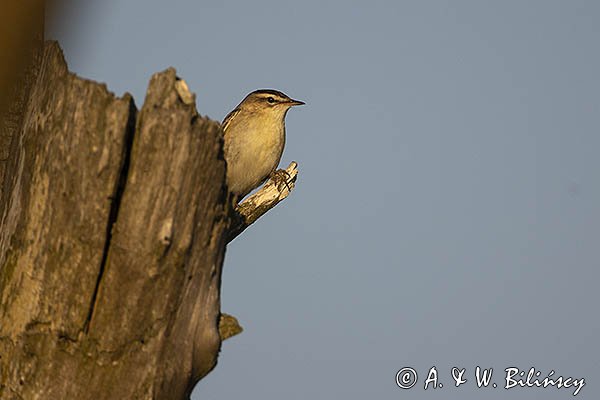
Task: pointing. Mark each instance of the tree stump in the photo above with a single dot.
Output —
(113, 233)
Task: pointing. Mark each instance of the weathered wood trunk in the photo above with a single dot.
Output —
(112, 235)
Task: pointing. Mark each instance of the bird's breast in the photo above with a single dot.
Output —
(253, 150)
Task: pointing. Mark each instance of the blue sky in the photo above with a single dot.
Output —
(446, 211)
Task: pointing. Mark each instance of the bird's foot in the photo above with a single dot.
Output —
(282, 179)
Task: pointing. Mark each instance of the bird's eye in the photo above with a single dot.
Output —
(271, 100)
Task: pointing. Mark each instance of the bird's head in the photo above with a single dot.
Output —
(268, 101)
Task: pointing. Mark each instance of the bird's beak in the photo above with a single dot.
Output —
(296, 102)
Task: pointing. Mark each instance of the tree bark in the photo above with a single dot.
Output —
(113, 232)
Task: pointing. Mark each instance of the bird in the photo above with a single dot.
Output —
(254, 138)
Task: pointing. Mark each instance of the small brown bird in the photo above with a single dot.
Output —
(254, 134)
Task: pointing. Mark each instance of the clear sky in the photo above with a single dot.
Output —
(446, 211)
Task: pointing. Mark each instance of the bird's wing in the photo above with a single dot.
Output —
(227, 120)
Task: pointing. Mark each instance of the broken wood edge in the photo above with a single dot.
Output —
(184, 93)
(276, 189)
(229, 326)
